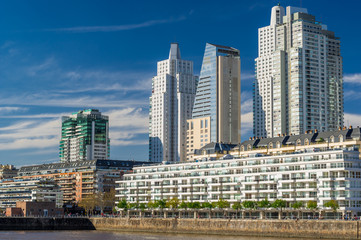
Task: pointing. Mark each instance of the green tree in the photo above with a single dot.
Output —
(161, 203)
(194, 205)
(152, 204)
(142, 206)
(123, 204)
(264, 203)
(333, 204)
(133, 205)
(249, 204)
(183, 205)
(312, 205)
(279, 204)
(297, 206)
(237, 206)
(222, 204)
(209, 206)
(173, 203)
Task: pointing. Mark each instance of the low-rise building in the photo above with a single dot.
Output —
(300, 168)
(44, 209)
(34, 190)
(82, 178)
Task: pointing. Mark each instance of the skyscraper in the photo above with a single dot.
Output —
(298, 84)
(84, 136)
(171, 103)
(216, 115)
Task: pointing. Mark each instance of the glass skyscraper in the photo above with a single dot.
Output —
(84, 136)
(216, 115)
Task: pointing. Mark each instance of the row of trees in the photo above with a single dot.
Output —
(98, 201)
(175, 203)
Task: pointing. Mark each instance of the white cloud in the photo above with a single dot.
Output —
(351, 119)
(83, 102)
(246, 125)
(4, 110)
(116, 28)
(352, 78)
(247, 76)
(126, 125)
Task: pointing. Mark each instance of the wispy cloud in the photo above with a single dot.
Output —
(82, 102)
(116, 28)
(30, 134)
(5, 110)
(247, 76)
(352, 78)
(126, 125)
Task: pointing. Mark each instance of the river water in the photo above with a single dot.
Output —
(105, 235)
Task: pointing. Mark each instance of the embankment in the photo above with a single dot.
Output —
(29, 223)
(276, 228)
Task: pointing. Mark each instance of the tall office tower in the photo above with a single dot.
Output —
(84, 136)
(216, 115)
(298, 84)
(171, 103)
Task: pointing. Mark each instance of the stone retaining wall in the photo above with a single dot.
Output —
(30, 223)
(284, 228)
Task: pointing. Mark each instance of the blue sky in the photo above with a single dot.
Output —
(58, 57)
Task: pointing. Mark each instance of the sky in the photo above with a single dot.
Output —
(58, 57)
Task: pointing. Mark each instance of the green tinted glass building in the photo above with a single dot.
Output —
(84, 136)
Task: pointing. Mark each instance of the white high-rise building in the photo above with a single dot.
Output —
(298, 84)
(171, 104)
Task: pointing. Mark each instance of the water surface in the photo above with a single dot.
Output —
(105, 235)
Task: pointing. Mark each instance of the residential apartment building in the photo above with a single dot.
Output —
(216, 115)
(8, 171)
(171, 103)
(298, 84)
(314, 166)
(84, 136)
(80, 179)
(34, 190)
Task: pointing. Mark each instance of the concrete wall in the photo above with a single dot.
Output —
(27, 223)
(284, 228)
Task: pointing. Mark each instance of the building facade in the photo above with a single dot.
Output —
(218, 99)
(298, 84)
(84, 136)
(8, 171)
(173, 91)
(78, 180)
(315, 166)
(34, 190)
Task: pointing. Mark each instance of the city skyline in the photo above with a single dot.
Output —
(59, 58)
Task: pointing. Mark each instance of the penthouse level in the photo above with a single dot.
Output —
(341, 138)
(316, 172)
